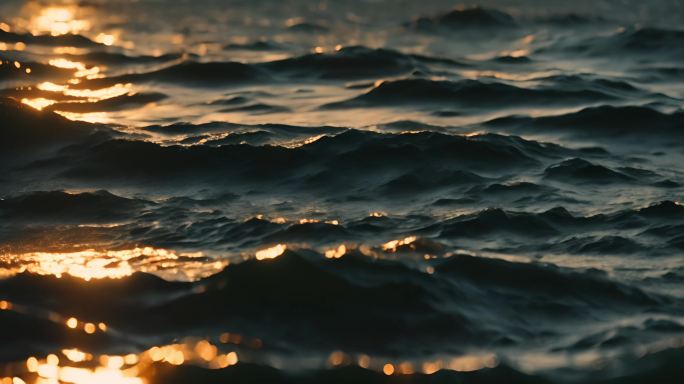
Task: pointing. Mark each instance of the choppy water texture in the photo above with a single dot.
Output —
(346, 191)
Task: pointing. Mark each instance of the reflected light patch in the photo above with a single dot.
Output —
(72, 323)
(89, 328)
(90, 117)
(271, 253)
(67, 64)
(337, 358)
(473, 363)
(406, 368)
(431, 367)
(32, 364)
(100, 94)
(92, 264)
(313, 221)
(81, 69)
(336, 253)
(392, 246)
(69, 51)
(39, 103)
(58, 21)
(474, 74)
(518, 53)
(51, 87)
(80, 367)
(73, 355)
(89, 95)
(106, 39)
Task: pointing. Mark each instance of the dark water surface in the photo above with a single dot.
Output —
(364, 191)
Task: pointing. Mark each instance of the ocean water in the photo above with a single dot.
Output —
(357, 191)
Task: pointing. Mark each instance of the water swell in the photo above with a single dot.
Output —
(342, 192)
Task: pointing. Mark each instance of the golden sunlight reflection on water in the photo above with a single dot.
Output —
(81, 95)
(271, 253)
(61, 19)
(38, 103)
(336, 253)
(93, 264)
(71, 365)
(392, 246)
(90, 117)
(464, 363)
(58, 20)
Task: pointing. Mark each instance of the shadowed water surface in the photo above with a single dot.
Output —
(341, 191)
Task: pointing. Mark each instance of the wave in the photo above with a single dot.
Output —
(604, 121)
(259, 45)
(553, 231)
(257, 109)
(601, 245)
(313, 165)
(263, 133)
(355, 62)
(655, 228)
(308, 27)
(249, 373)
(355, 295)
(655, 44)
(657, 366)
(476, 18)
(467, 93)
(33, 335)
(497, 221)
(25, 129)
(571, 20)
(626, 335)
(61, 207)
(113, 58)
(288, 288)
(580, 170)
(660, 73)
(663, 209)
(517, 188)
(584, 81)
(558, 230)
(544, 280)
(649, 39)
(373, 199)
(190, 73)
(421, 180)
(512, 60)
(69, 40)
(515, 192)
(11, 75)
(128, 101)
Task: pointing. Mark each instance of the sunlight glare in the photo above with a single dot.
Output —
(58, 21)
(271, 253)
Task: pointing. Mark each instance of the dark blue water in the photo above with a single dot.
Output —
(341, 191)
